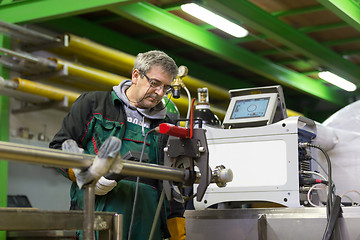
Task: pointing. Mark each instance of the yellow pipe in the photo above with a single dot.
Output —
(125, 62)
(88, 73)
(109, 79)
(111, 57)
(43, 90)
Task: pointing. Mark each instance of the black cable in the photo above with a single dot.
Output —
(137, 185)
(333, 209)
(165, 105)
(335, 213)
(329, 202)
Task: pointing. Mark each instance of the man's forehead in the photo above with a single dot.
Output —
(159, 74)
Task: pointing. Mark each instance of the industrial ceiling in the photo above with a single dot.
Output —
(289, 42)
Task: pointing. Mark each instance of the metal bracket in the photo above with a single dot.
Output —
(60, 105)
(188, 153)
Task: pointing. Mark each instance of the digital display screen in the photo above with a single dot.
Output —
(249, 108)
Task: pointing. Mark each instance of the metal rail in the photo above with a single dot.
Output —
(58, 158)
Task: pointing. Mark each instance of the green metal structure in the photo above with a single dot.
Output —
(65, 16)
(4, 136)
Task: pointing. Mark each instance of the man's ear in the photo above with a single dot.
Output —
(135, 76)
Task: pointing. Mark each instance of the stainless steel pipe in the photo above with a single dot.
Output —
(43, 156)
(89, 215)
(58, 158)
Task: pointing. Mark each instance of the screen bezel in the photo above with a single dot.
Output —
(267, 118)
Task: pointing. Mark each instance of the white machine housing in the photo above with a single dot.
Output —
(260, 144)
(264, 161)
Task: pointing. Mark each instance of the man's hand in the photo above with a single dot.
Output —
(81, 175)
(108, 152)
(71, 146)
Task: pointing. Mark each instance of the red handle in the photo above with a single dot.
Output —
(172, 130)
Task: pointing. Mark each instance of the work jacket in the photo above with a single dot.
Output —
(93, 118)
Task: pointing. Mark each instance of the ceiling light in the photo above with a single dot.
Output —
(214, 19)
(337, 81)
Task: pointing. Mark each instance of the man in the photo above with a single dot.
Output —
(128, 112)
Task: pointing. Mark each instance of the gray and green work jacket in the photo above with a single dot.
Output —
(93, 118)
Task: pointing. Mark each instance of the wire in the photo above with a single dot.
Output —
(314, 173)
(352, 201)
(142, 97)
(329, 203)
(192, 119)
(137, 185)
(334, 215)
(345, 195)
(315, 187)
(165, 105)
(158, 209)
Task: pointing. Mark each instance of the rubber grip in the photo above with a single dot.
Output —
(172, 130)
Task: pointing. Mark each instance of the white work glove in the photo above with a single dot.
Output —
(104, 185)
(108, 152)
(81, 175)
(71, 146)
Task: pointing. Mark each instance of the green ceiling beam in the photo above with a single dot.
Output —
(342, 41)
(3, 2)
(322, 27)
(249, 38)
(133, 46)
(177, 28)
(40, 10)
(260, 20)
(298, 11)
(350, 52)
(347, 10)
(272, 51)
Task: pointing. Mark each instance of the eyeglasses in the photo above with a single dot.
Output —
(156, 84)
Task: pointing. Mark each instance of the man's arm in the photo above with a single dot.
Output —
(73, 126)
(75, 122)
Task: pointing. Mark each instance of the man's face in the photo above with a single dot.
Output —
(148, 96)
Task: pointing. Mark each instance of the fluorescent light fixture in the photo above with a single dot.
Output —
(337, 81)
(215, 20)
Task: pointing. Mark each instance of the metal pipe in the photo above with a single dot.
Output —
(25, 33)
(58, 158)
(48, 91)
(88, 73)
(125, 62)
(43, 156)
(7, 84)
(89, 206)
(41, 62)
(100, 53)
(131, 168)
(118, 223)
